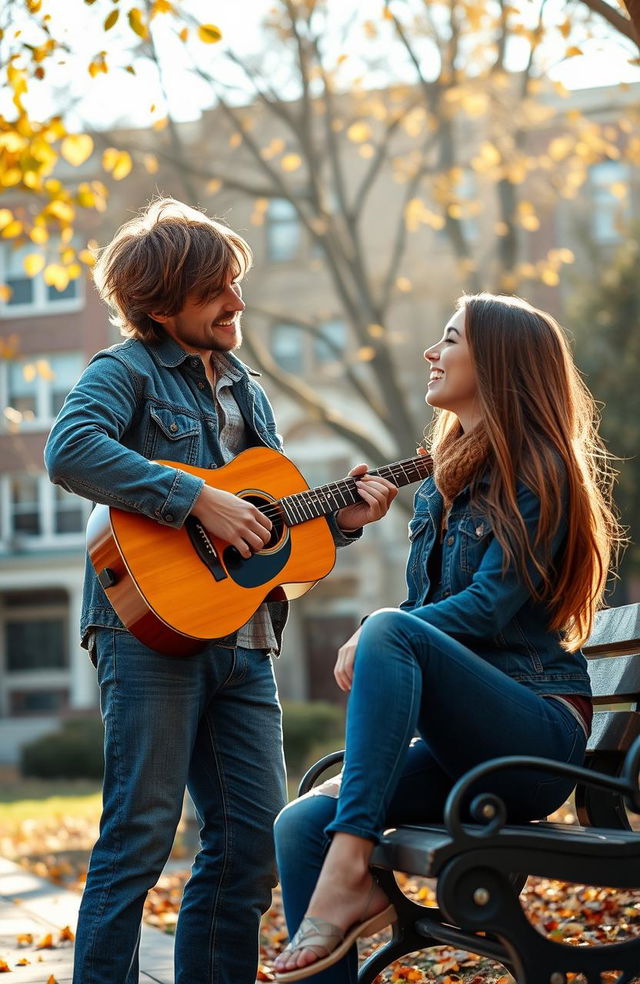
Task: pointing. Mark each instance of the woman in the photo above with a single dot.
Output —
(511, 541)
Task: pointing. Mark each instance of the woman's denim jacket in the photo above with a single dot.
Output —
(491, 613)
(137, 402)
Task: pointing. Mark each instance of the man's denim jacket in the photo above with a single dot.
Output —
(491, 613)
(136, 402)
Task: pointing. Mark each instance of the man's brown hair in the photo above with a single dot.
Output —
(166, 255)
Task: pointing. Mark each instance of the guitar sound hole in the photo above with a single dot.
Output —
(266, 506)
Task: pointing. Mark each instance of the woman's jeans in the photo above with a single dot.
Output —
(410, 678)
(211, 722)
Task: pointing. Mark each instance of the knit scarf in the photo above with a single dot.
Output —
(458, 458)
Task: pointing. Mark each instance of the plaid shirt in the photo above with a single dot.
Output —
(258, 632)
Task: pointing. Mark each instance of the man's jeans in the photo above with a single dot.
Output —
(410, 678)
(211, 722)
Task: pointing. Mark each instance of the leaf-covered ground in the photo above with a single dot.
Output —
(57, 848)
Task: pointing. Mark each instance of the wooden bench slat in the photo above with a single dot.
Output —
(613, 730)
(616, 630)
(617, 679)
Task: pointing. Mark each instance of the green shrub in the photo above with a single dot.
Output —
(73, 752)
(307, 728)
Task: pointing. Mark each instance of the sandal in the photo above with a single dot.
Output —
(330, 942)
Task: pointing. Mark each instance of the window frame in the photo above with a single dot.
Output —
(16, 542)
(42, 303)
(43, 390)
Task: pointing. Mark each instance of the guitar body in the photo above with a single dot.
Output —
(173, 592)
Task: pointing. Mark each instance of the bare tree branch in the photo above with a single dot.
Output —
(315, 408)
(629, 27)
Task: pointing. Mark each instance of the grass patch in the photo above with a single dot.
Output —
(47, 808)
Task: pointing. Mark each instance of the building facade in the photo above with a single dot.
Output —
(47, 337)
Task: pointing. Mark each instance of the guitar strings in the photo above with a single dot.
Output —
(318, 496)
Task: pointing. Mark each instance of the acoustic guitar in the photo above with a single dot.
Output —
(176, 589)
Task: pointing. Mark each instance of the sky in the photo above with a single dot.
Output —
(119, 98)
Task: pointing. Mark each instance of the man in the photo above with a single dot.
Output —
(173, 390)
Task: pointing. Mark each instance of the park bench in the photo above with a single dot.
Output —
(482, 866)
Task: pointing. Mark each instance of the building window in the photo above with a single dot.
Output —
(25, 505)
(332, 343)
(34, 652)
(283, 231)
(36, 644)
(34, 389)
(608, 182)
(35, 514)
(288, 347)
(297, 351)
(31, 295)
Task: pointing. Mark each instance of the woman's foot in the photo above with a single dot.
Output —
(347, 903)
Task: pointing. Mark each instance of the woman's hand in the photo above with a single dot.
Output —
(343, 670)
(376, 494)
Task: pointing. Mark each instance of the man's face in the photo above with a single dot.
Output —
(210, 327)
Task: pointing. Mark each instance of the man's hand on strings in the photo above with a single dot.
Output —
(376, 496)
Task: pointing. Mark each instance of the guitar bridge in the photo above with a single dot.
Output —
(204, 547)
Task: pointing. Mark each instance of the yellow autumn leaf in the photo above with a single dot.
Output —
(87, 257)
(619, 189)
(375, 330)
(404, 284)
(572, 51)
(123, 166)
(365, 353)
(33, 264)
(62, 211)
(12, 230)
(11, 177)
(550, 277)
(44, 369)
(111, 19)
(209, 33)
(118, 162)
(6, 216)
(5, 293)
(184, 34)
(77, 148)
(56, 276)
(137, 24)
(291, 162)
(46, 943)
(359, 132)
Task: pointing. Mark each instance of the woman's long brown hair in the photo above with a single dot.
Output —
(542, 424)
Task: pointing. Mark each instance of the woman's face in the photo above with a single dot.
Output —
(452, 380)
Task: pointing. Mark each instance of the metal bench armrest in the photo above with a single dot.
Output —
(489, 810)
(316, 770)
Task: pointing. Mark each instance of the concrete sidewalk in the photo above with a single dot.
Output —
(32, 905)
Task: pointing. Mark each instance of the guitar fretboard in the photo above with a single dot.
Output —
(303, 506)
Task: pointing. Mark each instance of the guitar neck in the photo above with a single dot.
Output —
(303, 506)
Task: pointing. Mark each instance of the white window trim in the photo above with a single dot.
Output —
(41, 304)
(44, 415)
(12, 542)
(37, 679)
